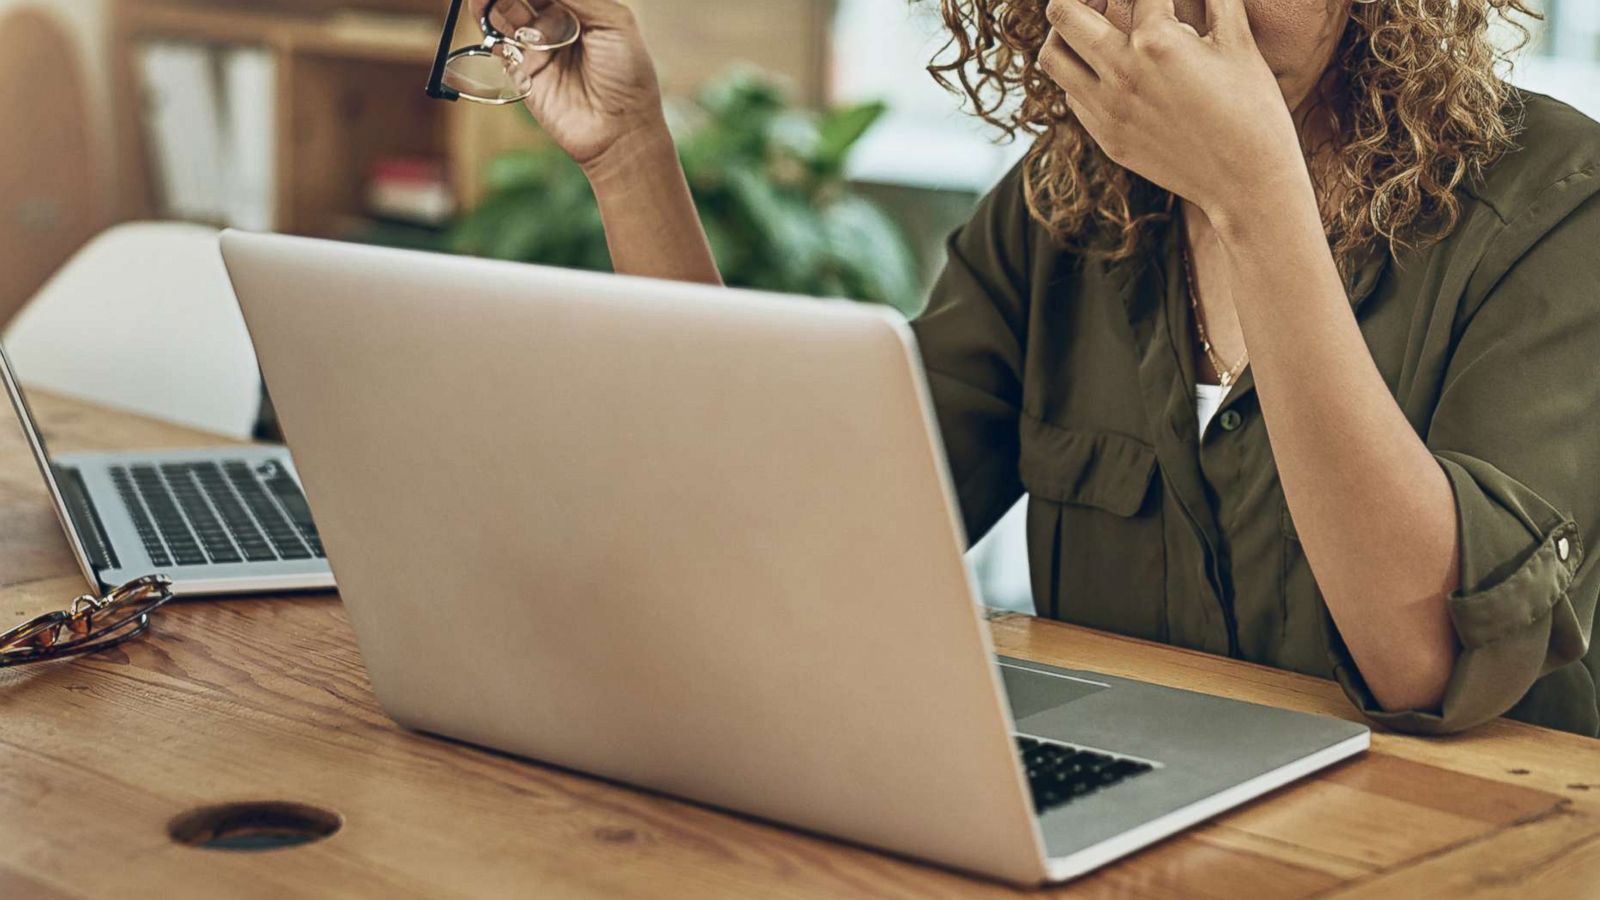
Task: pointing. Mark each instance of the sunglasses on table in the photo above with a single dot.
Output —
(490, 71)
(91, 623)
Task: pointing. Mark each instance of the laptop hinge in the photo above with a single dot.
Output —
(85, 519)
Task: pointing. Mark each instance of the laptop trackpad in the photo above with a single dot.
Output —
(1032, 692)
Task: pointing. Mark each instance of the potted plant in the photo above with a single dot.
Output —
(768, 179)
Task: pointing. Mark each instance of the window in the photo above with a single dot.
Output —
(1572, 30)
(1564, 58)
(881, 51)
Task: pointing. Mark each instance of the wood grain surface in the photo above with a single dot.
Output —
(266, 699)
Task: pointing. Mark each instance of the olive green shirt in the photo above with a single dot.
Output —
(1072, 379)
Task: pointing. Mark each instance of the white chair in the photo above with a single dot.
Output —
(143, 318)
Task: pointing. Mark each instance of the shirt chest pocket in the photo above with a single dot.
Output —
(1095, 535)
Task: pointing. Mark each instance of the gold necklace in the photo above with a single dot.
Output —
(1225, 374)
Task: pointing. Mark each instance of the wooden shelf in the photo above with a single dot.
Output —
(351, 72)
(347, 35)
(348, 93)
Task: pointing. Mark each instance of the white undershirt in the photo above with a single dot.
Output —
(1207, 398)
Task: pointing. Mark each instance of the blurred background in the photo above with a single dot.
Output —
(824, 158)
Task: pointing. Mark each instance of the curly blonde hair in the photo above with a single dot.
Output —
(1419, 112)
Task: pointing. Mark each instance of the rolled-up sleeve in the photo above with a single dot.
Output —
(971, 340)
(1517, 432)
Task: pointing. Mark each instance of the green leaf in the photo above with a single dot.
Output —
(519, 237)
(788, 226)
(840, 130)
(795, 133)
(869, 253)
(742, 92)
(472, 232)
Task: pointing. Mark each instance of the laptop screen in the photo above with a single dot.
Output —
(30, 431)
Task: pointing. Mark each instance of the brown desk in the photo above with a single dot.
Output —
(267, 700)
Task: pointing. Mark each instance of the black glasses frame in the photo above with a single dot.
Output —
(436, 86)
(492, 38)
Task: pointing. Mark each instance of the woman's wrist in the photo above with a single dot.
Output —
(1266, 207)
(652, 226)
(633, 158)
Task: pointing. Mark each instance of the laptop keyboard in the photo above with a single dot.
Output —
(191, 514)
(1059, 774)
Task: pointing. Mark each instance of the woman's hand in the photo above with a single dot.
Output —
(597, 93)
(599, 100)
(1202, 116)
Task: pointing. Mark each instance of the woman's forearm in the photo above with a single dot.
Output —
(652, 227)
(1374, 511)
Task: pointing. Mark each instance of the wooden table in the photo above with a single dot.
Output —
(266, 699)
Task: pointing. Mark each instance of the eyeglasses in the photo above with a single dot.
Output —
(91, 623)
(491, 72)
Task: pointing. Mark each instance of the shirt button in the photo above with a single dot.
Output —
(1563, 549)
(1230, 420)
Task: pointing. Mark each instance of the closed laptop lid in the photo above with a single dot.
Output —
(689, 538)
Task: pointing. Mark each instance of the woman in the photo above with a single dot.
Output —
(1288, 324)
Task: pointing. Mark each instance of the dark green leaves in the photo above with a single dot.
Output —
(768, 179)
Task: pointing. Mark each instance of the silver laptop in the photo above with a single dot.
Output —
(702, 541)
(217, 521)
